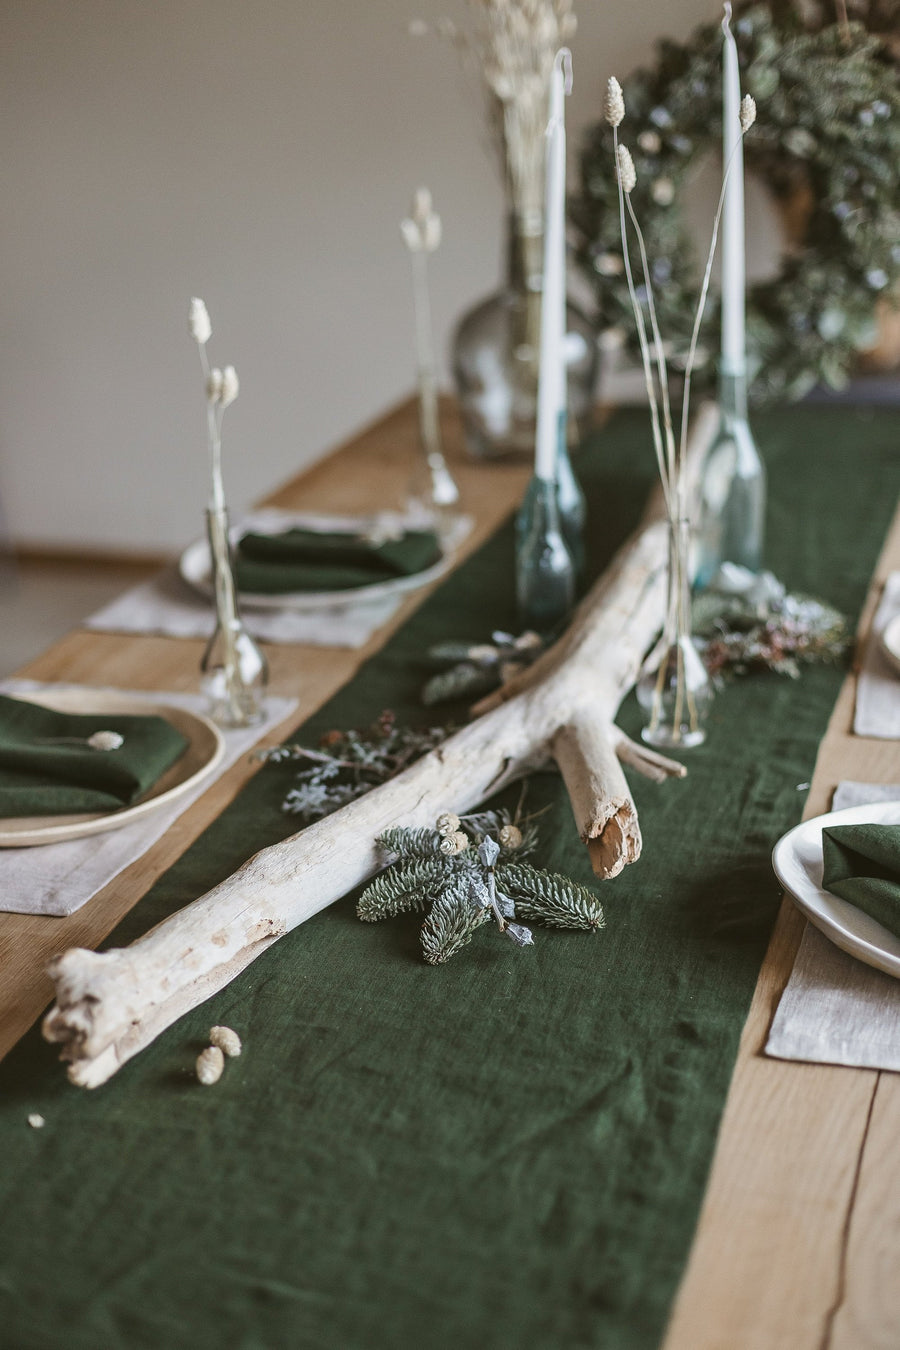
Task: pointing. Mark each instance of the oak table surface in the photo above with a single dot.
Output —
(798, 1244)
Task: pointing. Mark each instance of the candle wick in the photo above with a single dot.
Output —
(726, 22)
(563, 61)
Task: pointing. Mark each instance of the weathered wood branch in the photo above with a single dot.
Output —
(112, 1004)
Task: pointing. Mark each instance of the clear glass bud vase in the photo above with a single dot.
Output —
(234, 672)
(545, 573)
(674, 689)
(732, 490)
(496, 349)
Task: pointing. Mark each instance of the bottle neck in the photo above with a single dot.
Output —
(733, 396)
(525, 253)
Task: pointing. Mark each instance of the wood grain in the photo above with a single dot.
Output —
(371, 471)
(797, 1168)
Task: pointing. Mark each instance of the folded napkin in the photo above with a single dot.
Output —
(37, 779)
(862, 866)
(313, 560)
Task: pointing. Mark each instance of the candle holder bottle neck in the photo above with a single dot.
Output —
(545, 572)
(731, 520)
(570, 500)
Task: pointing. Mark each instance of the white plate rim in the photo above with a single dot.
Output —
(194, 565)
(60, 828)
(797, 862)
(890, 641)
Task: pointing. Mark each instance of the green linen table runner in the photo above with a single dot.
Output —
(505, 1153)
(862, 865)
(40, 778)
(312, 560)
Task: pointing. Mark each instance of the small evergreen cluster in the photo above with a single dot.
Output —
(757, 624)
(348, 764)
(466, 670)
(464, 877)
(827, 140)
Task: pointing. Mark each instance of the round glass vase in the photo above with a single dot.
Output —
(234, 673)
(496, 349)
(674, 689)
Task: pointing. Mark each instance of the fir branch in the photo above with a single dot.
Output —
(410, 843)
(400, 888)
(550, 897)
(450, 926)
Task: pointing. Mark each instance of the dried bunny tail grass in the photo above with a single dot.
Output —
(615, 102)
(655, 424)
(199, 324)
(230, 386)
(626, 169)
(747, 112)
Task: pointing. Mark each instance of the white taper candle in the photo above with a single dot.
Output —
(733, 263)
(552, 367)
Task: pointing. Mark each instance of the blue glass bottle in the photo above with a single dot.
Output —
(732, 490)
(545, 573)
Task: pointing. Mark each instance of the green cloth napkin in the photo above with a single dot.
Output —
(310, 560)
(38, 779)
(862, 865)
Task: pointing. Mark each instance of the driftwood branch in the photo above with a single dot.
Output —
(111, 1005)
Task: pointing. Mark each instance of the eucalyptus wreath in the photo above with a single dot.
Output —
(827, 132)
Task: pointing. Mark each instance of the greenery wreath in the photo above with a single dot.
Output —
(827, 136)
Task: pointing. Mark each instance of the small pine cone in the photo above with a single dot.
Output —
(615, 102)
(447, 823)
(511, 836)
(451, 844)
(228, 1041)
(210, 1063)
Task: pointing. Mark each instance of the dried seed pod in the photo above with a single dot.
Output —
(511, 836)
(627, 173)
(228, 1041)
(210, 1063)
(36, 1121)
(747, 113)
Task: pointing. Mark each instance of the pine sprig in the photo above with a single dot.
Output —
(410, 843)
(401, 888)
(470, 875)
(550, 897)
(450, 926)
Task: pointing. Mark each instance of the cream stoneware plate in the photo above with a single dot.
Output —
(890, 642)
(797, 859)
(205, 748)
(196, 569)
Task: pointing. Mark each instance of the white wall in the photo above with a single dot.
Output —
(258, 153)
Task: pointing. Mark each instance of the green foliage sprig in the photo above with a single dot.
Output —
(467, 876)
(347, 764)
(831, 131)
(468, 669)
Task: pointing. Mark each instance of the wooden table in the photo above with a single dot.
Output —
(799, 1239)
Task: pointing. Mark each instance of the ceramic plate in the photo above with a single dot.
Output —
(797, 859)
(205, 749)
(196, 569)
(890, 642)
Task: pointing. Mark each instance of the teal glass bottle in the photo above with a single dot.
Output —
(545, 572)
(732, 491)
(570, 501)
